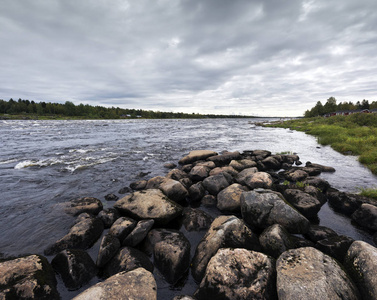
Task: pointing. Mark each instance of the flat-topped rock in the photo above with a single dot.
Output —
(196, 155)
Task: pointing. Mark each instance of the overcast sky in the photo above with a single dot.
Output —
(265, 58)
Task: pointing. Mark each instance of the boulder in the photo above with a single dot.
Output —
(345, 202)
(272, 163)
(196, 192)
(111, 197)
(361, 264)
(225, 158)
(122, 227)
(83, 205)
(186, 182)
(170, 165)
(290, 158)
(155, 182)
(172, 256)
(321, 167)
(29, 277)
(82, 235)
(209, 201)
(195, 219)
(307, 273)
(199, 173)
(149, 204)
(174, 190)
(196, 155)
(229, 198)
(238, 274)
(138, 233)
(317, 233)
(75, 267)
(108, 216)
(225, 231)
(108, 248)
(226, 169)
(138, 185)
(366, 216)
(242, 164)
(124, 190)
(295, 175)
(303, 202)
(209, 164)
(138, 284)
(176, 174)
(317, 182)
(311, 171)
(260, 154)
(316, 193)
(259, 180)
(261, 210)
(127, 259)
(335, 246)
(156, 235)
(214, 184)
(244, 174)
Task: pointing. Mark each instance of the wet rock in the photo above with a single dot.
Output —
(107, 250)
(170, 165)
(271, 163)
(29, 277)
(229, 198)
(86, 204)
(111, 197)
(172, 256)
(138, 284)
(196, 192)
(307, 273)
(174, 190)
(108, 216)
(195, 156)
(240, 165)
(127, 259)
(361, 264)
(209, 164)
(124, 190)
(199, 173)
(238, 274)
(122, 227)
(243, 176)
(155, 182)
(149, 204)
(75, 267)
(303, 202)
(275, 240)
(321, 167)
(295, 175)
(259, 180)
(225, 158)
(317, 233)
(316, 193)
(335, 246)
(290, 158)
(138, 233)
(226, 169)
(317, 182)
(260, 154)
(156, 235)
(366, 216)
(311, 171)
(176, 174)
(225, 231)
(183, 297)
(196, 219)
(214, 184)
(344, 202)
(139, 185)
(81, 236)
(209, 200)
(261, 210)
(186, 182)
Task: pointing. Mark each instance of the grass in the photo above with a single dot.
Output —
(355, 134)
(370, 193)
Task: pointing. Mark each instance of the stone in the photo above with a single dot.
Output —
(82, 235)
(156, 235)
(226, 169)
(108, 248)
(196, 192)
(138, 284)
(139, 185)
(127, 259)
(186, 182)
(225, 231)
(361, 264)
(229, 198)
(108, 216)
(335, 246)
(317, 233)
(208, 164)
(272, 163)
(111, 197)
(261, 210)
(260, 154)
(316, 193)
(29, 277)
(155, 182)
(172, 256)
(321, 167)
(196, 155)
(138, 233)
(209, 201)
(295, 175)
(214, 184)
(174, 190)
(176, 174)
(366, 216)
(225, 158)
(259, 180)
(124, 190)
(195, 219)
(244, 174)
(149, 204)
(317, 182)
(303, 202)
(242, 164)
(122, 227)
(238, 274)
(170, 165)
(75, 267)
(86, 204)
(183, 297)
(307, 273)
(199, 173)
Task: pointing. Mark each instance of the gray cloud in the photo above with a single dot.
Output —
(255, 57)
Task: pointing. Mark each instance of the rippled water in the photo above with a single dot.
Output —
(46, 163)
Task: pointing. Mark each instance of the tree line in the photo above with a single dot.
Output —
(69, 109)
(331, 106)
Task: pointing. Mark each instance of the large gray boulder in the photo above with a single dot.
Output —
(303, 202)
(295, 175)
(82, 235)
(195, 219)
(138, 284)
(199, 173)
(361, 264)
(149, 204)
(138, 233)
(229, 198)
(196, 192)
(307, 273)
(83, 205)
(122, 227)
(242, 164)
(225, 158)
(174, 190)
(335, 246)
(238, 274)
(196, 155)
(108, 216)
(317, 233)
(366, 216)
(225, 231)
(259, 180)
(261, 210)
(29, 277)
(216, 183)
(243, 176)
(108, 249)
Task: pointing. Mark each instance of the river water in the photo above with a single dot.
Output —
(46, 163)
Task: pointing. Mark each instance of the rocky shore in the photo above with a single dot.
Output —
(263, 243)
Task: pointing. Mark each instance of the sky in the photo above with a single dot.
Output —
(248, 57)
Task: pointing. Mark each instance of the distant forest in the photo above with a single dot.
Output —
(32, 109)
(331, 106)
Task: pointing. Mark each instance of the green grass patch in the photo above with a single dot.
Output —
(370, 193)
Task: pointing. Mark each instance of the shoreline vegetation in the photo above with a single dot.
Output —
(30, 110)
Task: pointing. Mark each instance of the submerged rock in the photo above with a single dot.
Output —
(83, 205)
(366, 216)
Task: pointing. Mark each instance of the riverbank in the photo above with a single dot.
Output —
(350, 135)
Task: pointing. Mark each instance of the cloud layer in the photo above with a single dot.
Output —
(267, 58)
